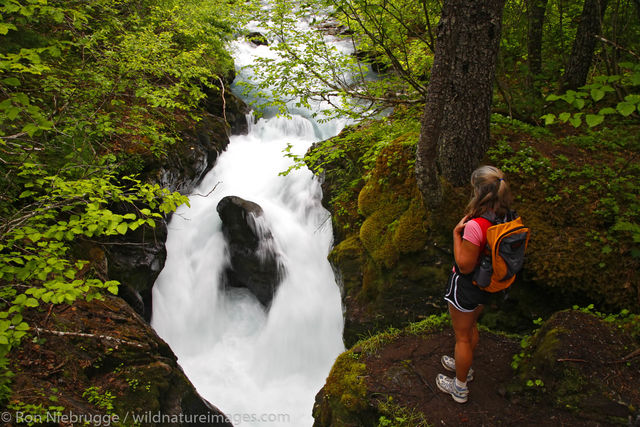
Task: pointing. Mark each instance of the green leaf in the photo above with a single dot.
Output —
(597, 94)
(16, 319)
(576, 120)
(122, 228)
(22, 326)
(625, 108)
(30, 129)
(34, 237)
(633, 98)
(11, 81)
(564, 117)
(549, 119)
(5, 27)
(594, 119)
(31, 302)
(20, 299)
(607, 110)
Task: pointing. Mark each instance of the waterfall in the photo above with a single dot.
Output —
(259, 367)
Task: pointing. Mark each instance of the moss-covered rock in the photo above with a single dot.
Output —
(397, 255)
(100, 359)
(578, 361)
(390, 252)
(343, 399)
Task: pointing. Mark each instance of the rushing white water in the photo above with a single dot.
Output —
(259, 368)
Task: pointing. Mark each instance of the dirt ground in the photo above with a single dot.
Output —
(406, 371)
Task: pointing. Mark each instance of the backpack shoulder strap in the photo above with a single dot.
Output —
(484, 224)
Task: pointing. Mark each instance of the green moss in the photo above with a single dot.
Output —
(350, 255)
(377, 233)
(374, 343)
(395, 415)
(345, 388)
(372, 281)
(412, 228)
(396, 221)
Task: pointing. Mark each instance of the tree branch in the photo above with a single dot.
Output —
(85, 335)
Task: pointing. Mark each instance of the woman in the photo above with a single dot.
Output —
(491, 199)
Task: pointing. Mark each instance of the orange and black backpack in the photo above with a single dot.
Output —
(503, 256)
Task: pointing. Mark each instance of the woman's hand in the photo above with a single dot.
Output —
(458, 230)
(465, 253)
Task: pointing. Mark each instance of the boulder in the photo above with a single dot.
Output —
(100, 360)
(257, 39)
(253, 258)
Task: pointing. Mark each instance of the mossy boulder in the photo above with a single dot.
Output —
(102, 359)
(580, 362)
(390, 269)
(343, 399)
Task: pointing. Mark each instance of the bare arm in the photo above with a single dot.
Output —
(465, 253)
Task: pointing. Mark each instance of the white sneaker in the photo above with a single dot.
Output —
(449, 364)
(448, 385)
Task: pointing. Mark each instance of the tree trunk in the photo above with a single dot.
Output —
(455, 125)
(584, 44)
(535, 10)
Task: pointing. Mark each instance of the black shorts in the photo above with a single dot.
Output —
(463, 294)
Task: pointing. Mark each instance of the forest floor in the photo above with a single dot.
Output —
(405, 371)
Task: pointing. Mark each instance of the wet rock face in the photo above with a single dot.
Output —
(254, 261)
(227, 106)
(108, 348)
(188, 162)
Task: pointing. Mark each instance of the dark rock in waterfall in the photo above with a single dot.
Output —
(254, 261)
(257, 39)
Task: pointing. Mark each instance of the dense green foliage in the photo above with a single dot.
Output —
(397, 40)
(386, 36)
(85, 88)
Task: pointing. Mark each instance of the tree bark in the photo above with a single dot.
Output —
(584, 44)
(535, 11)
(455, 124)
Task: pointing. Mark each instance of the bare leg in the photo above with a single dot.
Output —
(467, 337)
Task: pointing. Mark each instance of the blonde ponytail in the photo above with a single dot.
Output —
(491, 193)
